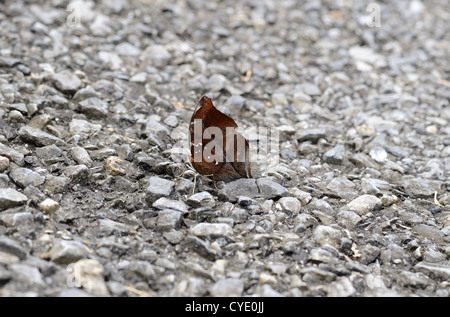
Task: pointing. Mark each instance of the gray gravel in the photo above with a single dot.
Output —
(93, 200)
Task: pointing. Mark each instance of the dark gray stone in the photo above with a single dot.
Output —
(81, 156)
(364, 204)
(211, 230)
(368, 254)
(165, 203)
(420, 187)
(228, 287)
(343, 188)
(361, 159)
(108, 227)
(66, 82)
(85, 93)
(323, 206)
(11, 246)
(173, 236)
(156, 55)
(77, 173)
(142, 270)
(94, 107)
(439, 271)
(27, 275)
(306, 220)
(38, 137)
(24, 177)
(324, 254)
(269, 189)
(398, 151)
(429, 233)
(335, 156)
(342, 287)
(202, 199)
(50, 154)
(83, 128)
(312, 135)
(156, 132)
(12, 154)
(5, 276)
(4, 181)
(74, 292)
(158, 187)
(235, 104)
(327, 235)
(216, 82)
(65, 252)
(202, 248)
(290, 205)
(241, 187)
(56, 184)
(169, 219)
(16, 218)
(374, 186)
(10, 197)
(348, 219)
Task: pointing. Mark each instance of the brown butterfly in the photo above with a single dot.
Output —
(217, 150)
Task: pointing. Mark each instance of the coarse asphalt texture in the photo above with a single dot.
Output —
(95, 195)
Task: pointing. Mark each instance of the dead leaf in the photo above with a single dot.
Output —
(177, 104)
(356, 253)
(247, 76)
(136, 291)
(336, 14)
(436, 201)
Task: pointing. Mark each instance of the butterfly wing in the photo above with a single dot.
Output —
(233, 151)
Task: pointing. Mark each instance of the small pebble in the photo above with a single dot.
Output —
(364, 204)
(4, 164)
(49, 206)
(115, 166)
(202, 199)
